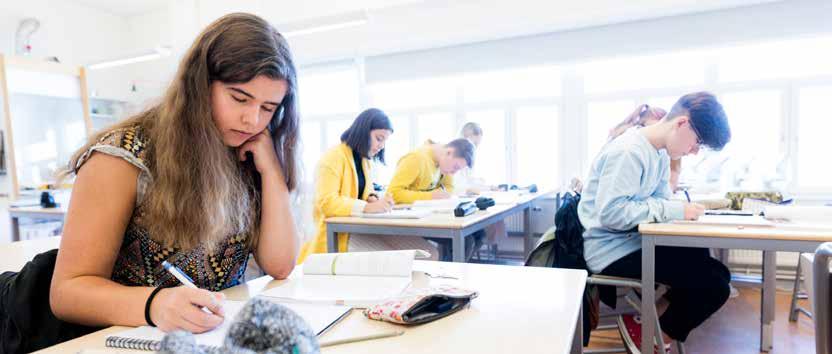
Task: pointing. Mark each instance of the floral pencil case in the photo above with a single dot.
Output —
(417, 306)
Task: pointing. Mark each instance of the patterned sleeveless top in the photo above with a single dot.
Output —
(139, 261)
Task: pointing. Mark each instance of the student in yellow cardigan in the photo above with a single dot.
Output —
(344, 185)
(427, 172)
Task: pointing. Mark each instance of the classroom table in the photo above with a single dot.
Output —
(14, 255)
(519, 310)
(439, 225)
(33, 212)
(781, 237)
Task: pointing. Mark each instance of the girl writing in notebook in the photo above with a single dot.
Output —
(201, 180)
(344, 187)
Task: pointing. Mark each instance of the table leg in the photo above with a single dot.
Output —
(331, 240)
(578, 338)
(769, 292)
(15, 228)
(458, 248)
(527, 228)
(648, 291)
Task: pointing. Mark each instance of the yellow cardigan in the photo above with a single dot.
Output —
(336, 194)
(417, 175)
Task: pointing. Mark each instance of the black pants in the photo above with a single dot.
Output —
(698, 285)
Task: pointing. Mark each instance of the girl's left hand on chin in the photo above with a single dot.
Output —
(265, 158)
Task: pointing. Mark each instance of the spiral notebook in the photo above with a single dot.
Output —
(319, 316)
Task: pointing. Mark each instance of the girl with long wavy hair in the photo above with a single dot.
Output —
(200, 180)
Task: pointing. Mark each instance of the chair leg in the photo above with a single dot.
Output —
(793, 309)
(659, 337)
(680, 347)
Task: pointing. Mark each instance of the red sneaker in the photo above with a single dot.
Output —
(629, 326)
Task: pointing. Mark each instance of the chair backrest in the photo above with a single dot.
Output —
(822, 282)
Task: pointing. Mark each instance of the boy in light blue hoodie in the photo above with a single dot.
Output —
(628, 185)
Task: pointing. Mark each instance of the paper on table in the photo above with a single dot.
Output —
(729, 220)
(382, 263)
(416, 213)
(817, 214)
(440, 203)
(351, 290)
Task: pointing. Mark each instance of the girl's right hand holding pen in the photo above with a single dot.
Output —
(179, 308)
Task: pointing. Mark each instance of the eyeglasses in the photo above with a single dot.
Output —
(699, 140)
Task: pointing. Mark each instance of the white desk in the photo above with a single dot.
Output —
(444, 225)
(784, 238)
(13, 256)
(519, 310)
(34, 212)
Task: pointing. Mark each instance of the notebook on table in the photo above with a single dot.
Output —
(320, 318)
(400, 214)
(358, 279)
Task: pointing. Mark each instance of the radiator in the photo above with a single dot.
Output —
(755, 258)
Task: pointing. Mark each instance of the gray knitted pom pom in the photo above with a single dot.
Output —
(267, 327)
(261, 326)
(179, 342)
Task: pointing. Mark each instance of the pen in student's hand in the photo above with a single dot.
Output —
(184, 279)
(687, 195)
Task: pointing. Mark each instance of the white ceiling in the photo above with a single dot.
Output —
(125, 7)
(406, 25)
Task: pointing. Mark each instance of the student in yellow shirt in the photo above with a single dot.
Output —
(343, 184)
(427, 172)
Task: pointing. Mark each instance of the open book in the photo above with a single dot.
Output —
(357, 279)
(319, 317)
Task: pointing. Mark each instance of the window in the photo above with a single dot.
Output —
(815, 123)
(439, 127)
(397, 146)
(537, 146)
(310, 135)
(601, 116)
(412, 93)
(334, 129)
(664, 102)
(328, 91)
(753, 157)
(490, 163)
(511, 84)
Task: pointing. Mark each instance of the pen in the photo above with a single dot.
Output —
(687, 195)
(360, 338)
(183, 278)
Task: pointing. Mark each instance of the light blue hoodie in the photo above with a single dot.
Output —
(627, 185)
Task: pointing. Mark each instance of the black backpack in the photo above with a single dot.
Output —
(569, 234)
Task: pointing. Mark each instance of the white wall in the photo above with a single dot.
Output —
(75, 34)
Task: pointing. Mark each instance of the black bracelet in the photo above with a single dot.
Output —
(147, 306)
